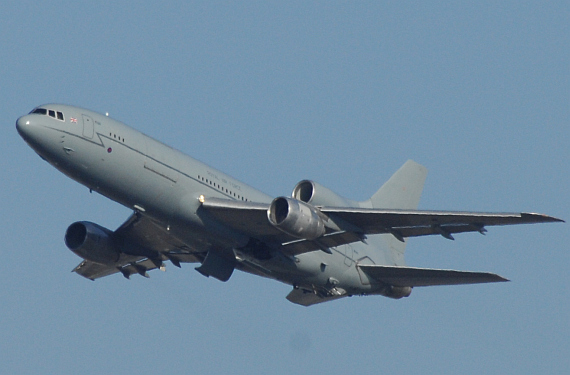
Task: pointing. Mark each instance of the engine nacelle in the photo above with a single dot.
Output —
(92, 242)
(296, 218)
(316, 194)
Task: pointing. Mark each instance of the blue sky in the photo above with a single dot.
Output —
(272, 93)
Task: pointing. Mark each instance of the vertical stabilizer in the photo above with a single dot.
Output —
(403, 190)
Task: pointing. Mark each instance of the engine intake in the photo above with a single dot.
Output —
(316, 194)
(92, 242)
(296, 218)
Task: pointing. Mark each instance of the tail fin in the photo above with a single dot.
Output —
(403, 190)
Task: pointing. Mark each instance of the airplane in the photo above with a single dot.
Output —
(325, 246)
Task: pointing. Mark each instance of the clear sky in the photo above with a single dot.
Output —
(273, 93)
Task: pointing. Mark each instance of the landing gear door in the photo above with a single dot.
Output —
(87, 127)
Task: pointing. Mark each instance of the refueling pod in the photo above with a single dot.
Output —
(396, 292)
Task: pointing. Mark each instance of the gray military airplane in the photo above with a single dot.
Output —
(323, 245)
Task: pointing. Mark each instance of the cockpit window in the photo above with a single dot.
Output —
(51, 112)
(40, 111)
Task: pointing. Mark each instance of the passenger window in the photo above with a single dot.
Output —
(60, 116)
(51, 113)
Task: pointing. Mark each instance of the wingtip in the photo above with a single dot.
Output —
(542, 218)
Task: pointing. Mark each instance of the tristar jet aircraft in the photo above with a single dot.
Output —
(323, 245)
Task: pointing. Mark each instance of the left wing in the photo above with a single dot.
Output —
(141, 232)
(352, 224)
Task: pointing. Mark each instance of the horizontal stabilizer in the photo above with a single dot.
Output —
(412, 277)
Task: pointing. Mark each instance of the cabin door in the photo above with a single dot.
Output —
(87, 127)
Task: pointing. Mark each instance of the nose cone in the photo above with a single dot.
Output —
(29, 130)
(25, 128)
(21, 125)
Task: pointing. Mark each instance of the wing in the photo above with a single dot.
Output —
(140, 231)
(412, 223)
(352, 224)
(245, 217)
(251, 219)
(412, 277)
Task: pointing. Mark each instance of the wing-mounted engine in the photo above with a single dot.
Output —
(316, 194)
(296, 218)
(92, 242)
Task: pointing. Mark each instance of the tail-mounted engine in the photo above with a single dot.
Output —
(316, 194)
(92, 242)
(296, 218)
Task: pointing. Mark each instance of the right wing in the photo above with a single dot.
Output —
(412, 223)
(354, 223)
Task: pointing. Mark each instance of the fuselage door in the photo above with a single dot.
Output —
(87, 127)
(348, 255)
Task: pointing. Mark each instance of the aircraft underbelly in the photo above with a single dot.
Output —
(321, 270)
